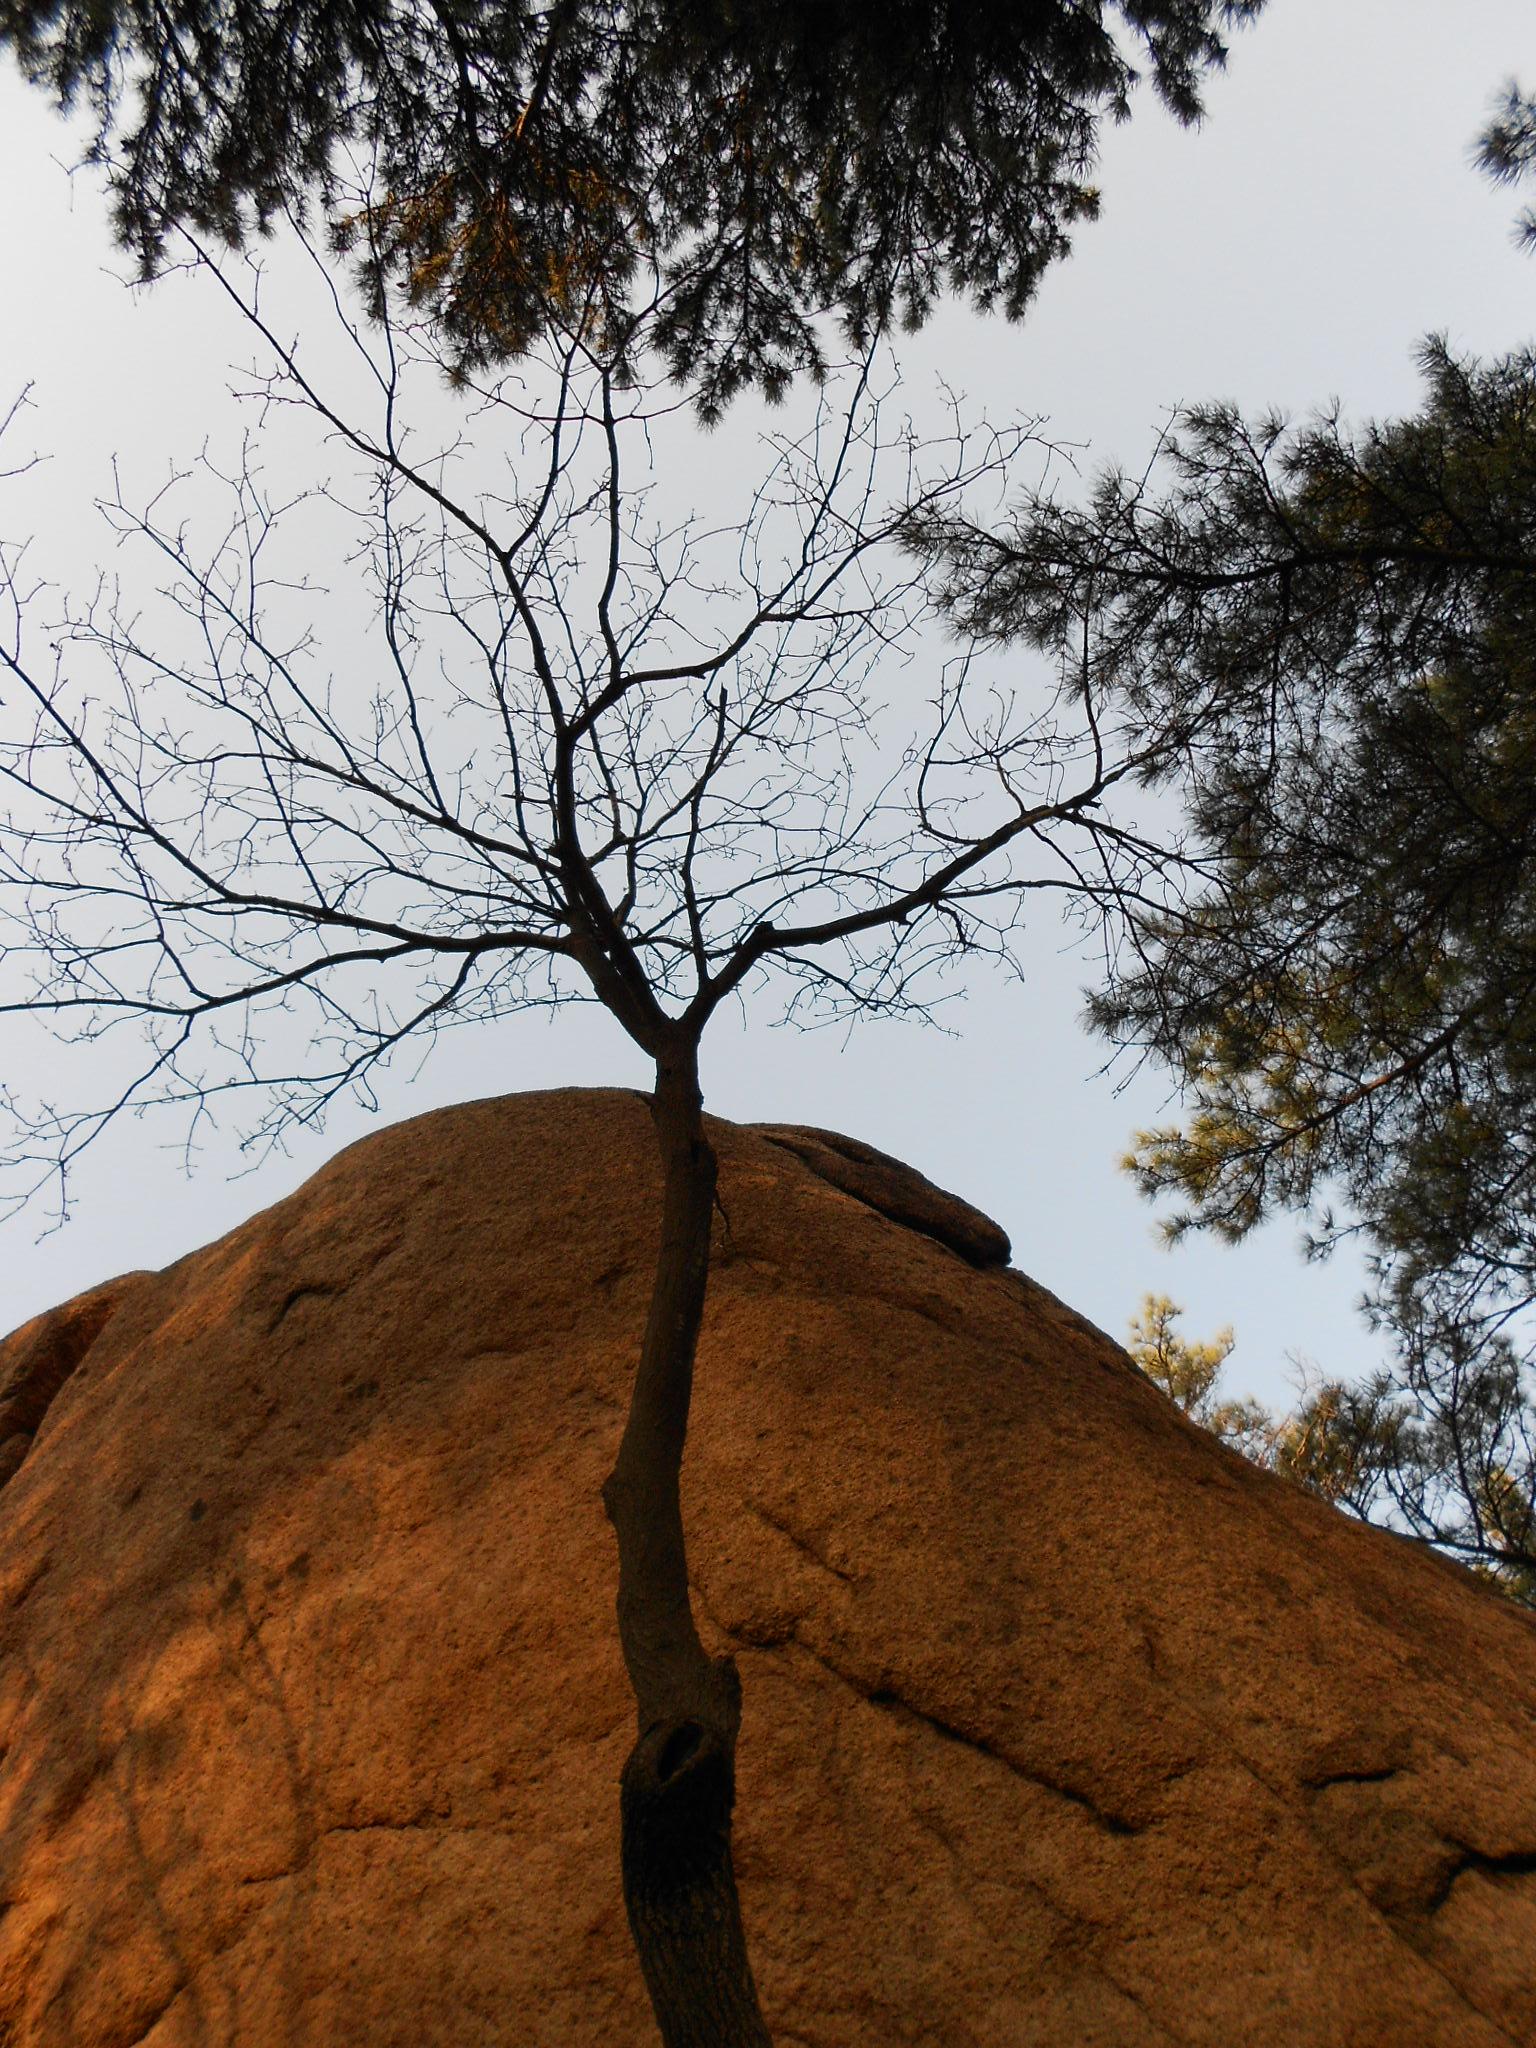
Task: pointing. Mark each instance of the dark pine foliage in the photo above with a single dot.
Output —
(1339, 630)
(761, 161)
(1506, 150)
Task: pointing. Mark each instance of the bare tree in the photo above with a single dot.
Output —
(537, 741)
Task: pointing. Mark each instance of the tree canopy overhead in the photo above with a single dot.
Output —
(764, 161)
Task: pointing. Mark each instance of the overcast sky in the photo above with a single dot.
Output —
(1292, 251)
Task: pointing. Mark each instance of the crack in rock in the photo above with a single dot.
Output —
(140, 2038)
(1511, 1863)
(799, 1542)
(1373, 1775)
(314, 1290)
(887, 1699)
(1405, 1928)
(892, 1702)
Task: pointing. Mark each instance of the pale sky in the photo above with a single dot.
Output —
(1293, 250)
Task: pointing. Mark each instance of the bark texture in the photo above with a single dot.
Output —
(679, 1781)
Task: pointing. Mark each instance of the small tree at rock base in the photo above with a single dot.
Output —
(566, 745)
(1188, 1370)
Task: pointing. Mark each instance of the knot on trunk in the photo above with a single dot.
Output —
(675, 1799)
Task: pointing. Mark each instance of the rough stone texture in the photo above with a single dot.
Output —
(1062, 1725)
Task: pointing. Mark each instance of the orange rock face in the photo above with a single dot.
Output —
(1062, 1725)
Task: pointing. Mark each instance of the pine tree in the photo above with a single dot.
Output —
(1188, 1370)
(1339, 627)
(1506, 150)
(753, 161)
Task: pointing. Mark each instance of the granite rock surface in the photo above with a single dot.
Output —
(1062, 1725)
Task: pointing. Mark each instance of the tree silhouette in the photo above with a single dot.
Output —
(558, 744)
(1341, 622)
(768, 160)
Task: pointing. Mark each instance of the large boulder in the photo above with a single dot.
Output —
(1062, 1724)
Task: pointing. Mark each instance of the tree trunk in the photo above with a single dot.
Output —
(678, 1784)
